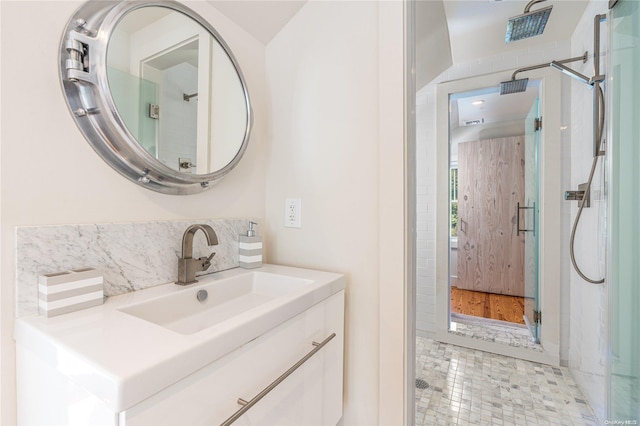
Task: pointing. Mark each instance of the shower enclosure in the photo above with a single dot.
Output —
(531, 233)
(624, 214)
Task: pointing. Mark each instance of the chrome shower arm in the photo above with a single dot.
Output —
(531, 68)
(518, 86)
(582, 58)
(527, 8)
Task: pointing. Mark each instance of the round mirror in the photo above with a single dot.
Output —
(156, 92)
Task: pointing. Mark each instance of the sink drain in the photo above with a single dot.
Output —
(202, 295)
(421, 384)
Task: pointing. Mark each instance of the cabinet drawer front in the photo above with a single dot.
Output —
(311, 395)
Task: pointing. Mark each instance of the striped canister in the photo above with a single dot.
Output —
(69, 291)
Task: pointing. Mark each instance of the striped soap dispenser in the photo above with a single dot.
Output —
(250, 249)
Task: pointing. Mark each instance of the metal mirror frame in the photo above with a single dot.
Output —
(83, 73)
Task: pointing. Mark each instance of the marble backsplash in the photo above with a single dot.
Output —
(132, 256)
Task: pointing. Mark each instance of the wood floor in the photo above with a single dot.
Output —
(487, 305)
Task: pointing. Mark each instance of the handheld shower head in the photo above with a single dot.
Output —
(571, 73)
(529, 24)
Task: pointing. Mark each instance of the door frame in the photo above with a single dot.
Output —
(550, 216)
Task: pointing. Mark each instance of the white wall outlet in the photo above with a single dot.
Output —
(292, 213)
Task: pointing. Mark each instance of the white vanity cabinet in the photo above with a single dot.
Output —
(311, 395)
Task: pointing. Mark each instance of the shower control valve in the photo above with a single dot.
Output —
(579, 195)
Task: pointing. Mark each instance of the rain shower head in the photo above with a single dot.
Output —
(513, 86)
(528, 24)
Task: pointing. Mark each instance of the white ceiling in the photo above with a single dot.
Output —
(263, 19)
(477, 27)
(476, 30)
(496, 108)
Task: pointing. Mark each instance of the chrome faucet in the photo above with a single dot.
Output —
(187, 266)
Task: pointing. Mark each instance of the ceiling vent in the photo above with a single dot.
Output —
(474, 122)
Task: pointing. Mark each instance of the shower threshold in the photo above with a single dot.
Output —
(495, 331)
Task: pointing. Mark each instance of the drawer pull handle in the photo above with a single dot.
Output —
(246, 405)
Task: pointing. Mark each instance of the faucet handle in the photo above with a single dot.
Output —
(206, 261)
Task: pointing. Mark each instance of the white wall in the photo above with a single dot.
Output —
(432, 41)
(324, 79)
(50, 174)
(336, 142)
(588, 315)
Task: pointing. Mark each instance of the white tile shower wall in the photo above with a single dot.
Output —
(587, 336)
(426, 166)
(132, 256)
(425, 206)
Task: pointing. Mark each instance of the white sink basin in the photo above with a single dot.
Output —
(167, 333)
(182, 312)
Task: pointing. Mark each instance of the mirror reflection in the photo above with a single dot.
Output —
(176, 90)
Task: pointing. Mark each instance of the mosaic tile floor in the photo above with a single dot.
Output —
(469, 387)
(493, 331)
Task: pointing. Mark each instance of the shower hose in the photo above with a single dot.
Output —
(600, 95)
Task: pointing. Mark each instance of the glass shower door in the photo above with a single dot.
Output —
(528, 215)
(133, 97)
(623, 278)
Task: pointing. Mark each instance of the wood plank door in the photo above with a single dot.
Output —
(490, 186)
